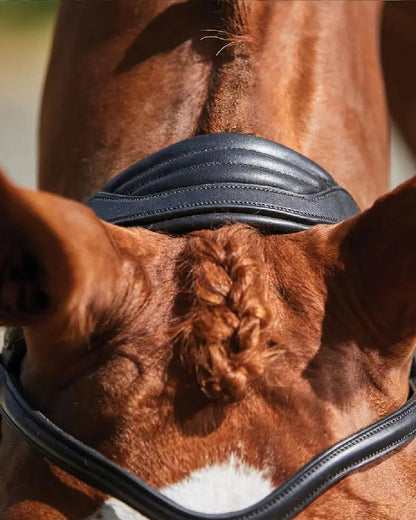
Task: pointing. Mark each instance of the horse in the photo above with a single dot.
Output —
(214, 363)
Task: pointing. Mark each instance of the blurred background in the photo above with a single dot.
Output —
(26, 29)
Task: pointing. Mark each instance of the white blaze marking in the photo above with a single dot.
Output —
(221, 488)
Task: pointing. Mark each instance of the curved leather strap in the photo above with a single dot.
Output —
(211, 179)
(284, 503)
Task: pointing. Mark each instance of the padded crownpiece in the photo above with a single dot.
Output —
(211, 179)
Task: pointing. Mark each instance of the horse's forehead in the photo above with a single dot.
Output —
(219, 488)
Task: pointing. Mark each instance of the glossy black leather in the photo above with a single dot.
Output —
(211, 179)
(284, 503)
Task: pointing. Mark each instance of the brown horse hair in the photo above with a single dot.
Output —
(230, 27)
(227, 338)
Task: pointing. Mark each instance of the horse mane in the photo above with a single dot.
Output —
(227, 337)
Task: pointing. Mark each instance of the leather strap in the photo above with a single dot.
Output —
(365, 446)
(211, 179)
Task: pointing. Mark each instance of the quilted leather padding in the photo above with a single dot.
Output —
(211, 179)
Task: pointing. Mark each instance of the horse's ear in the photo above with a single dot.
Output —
(52, 252)
(376, 271)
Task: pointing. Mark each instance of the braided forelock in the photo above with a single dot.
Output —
(228, 338)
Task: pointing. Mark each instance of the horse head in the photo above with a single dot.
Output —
(211, 364)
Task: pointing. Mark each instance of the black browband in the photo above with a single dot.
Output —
(298, 183)
(211, 179)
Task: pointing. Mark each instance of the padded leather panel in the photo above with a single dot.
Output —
(215, 178)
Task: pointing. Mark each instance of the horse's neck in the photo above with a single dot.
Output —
(127, 79)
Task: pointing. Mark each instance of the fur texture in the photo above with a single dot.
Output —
(221, 488)
(227, 338)
(169, 354)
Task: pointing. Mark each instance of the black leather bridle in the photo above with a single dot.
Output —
(126, 201)
(211, 179)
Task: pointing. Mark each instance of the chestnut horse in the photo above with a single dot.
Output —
(214, 364)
